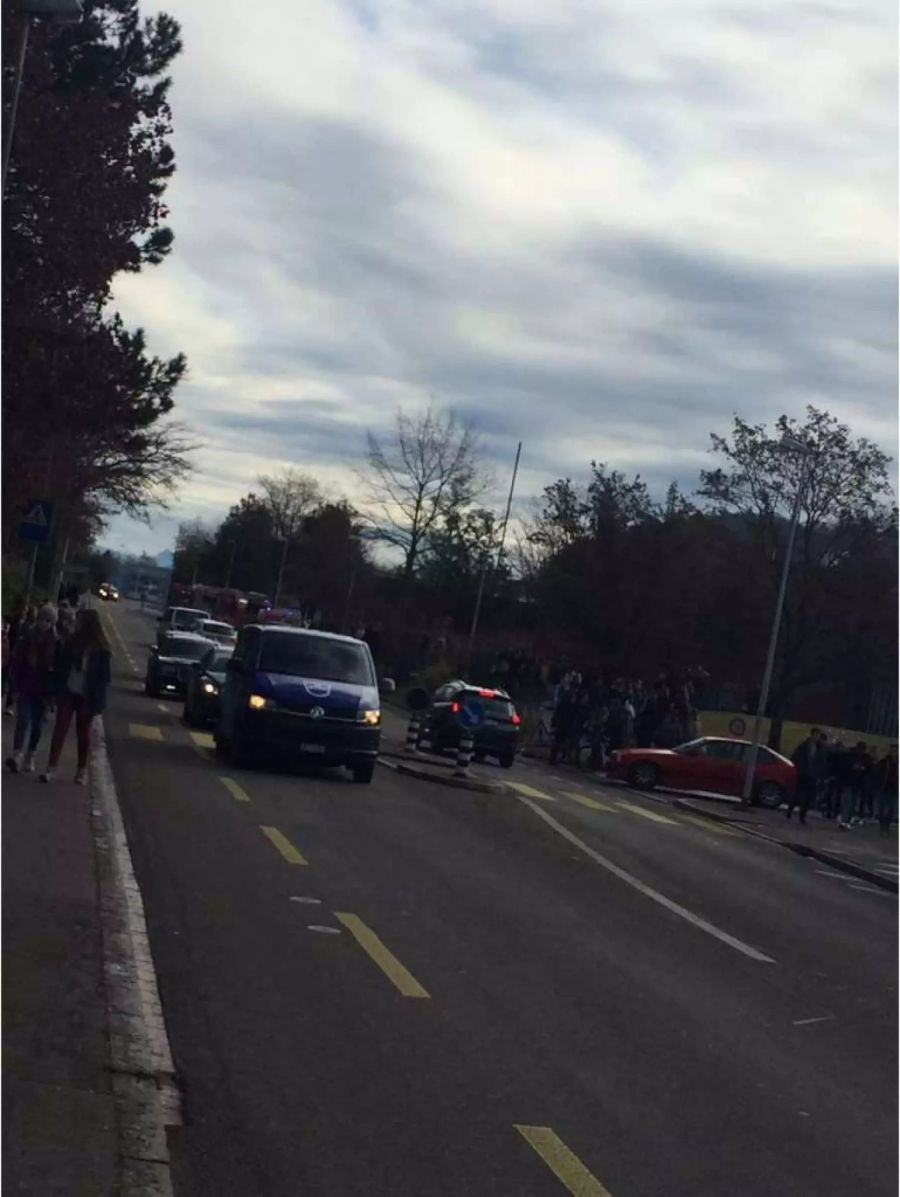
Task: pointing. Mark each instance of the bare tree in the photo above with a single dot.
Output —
(291, 497)
(428, 468)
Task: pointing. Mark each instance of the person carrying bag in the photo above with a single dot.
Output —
(82, 680)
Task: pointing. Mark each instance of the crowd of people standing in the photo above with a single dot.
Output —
(56, 659)
(848, 784)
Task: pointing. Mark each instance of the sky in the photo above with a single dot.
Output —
(600, 228)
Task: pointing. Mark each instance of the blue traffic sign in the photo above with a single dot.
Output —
(471, 713)
(37, 521)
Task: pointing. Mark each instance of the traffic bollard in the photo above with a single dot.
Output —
(463, 755)
(412, 735)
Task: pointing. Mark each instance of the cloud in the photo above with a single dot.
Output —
(601, 230)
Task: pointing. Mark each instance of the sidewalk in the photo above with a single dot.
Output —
(89, 1081)
(862, 850)
(58, 1103)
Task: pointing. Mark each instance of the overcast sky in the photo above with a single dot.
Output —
(602, 228)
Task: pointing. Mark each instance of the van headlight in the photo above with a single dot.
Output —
(210, 688)
(371, 717)
(256, 702)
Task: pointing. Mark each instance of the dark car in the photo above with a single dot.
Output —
(204, 686)
(108, 592)
(712, 764)
(302, 694)
(170, 664)
(498, 733)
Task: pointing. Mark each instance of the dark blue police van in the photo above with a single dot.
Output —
(301, 694)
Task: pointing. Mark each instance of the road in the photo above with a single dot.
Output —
(403, 989)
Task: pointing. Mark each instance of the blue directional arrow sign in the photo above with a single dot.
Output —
(36, 521)
(471, 713)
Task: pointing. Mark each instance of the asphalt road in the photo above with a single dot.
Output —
(403, 989)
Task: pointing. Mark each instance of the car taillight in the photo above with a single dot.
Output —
(485, 693)
(515, 719)
(454, 708)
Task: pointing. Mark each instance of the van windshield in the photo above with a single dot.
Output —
(316, 657)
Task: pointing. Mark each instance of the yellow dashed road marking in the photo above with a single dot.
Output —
(203, 739)
(590, 803)
(401, 977)
(284, 845)
(646, 814)
(562, 1162)
(144, 731)
(237, 792)
(529, 791)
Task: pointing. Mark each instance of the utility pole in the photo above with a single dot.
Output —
(793, 446)
(284, 553)
(486, 564)
(231, 548)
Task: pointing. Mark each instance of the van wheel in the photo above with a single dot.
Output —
(507, 760)
(220, 743)
(363, 774)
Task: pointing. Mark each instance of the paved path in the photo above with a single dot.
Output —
(404, 989)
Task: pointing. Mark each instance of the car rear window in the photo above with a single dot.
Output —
(316, 657)
(494, 708)
(188, 650)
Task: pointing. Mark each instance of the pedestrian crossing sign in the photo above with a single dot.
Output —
(37, 520)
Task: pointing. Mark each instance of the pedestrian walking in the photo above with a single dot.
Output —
(31, 677)
(857, 766)
(886, 772)
(810, 762)
(22, 620)
(82, 675)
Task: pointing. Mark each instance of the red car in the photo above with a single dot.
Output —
(713, 764)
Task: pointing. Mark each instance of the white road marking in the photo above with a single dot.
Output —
(870, 889)
(646, 890)
(840, 876)
(805, 1022)
(324, 930)
(308, 901)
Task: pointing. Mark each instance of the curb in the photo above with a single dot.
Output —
(398, 755)
(836, 862)
(143, 1074)
(453, 783)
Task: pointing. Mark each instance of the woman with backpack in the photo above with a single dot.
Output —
(82, 680)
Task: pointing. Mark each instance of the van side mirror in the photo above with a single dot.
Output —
(387, 685)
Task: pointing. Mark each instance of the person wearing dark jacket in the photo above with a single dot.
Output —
(809, 760)
(886, 773)
(82, 678)
(858, 763)
(31, 678)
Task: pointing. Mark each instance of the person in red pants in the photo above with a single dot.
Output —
(82, 679)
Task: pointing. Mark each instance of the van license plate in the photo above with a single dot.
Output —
(312, 747)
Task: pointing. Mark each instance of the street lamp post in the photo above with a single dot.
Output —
(60, 12)
(806, 451)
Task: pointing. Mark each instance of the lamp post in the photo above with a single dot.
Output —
(59, 12)
(790, 445)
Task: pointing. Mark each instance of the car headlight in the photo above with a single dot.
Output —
(371, 717)
(210, 688)
(256, 702)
